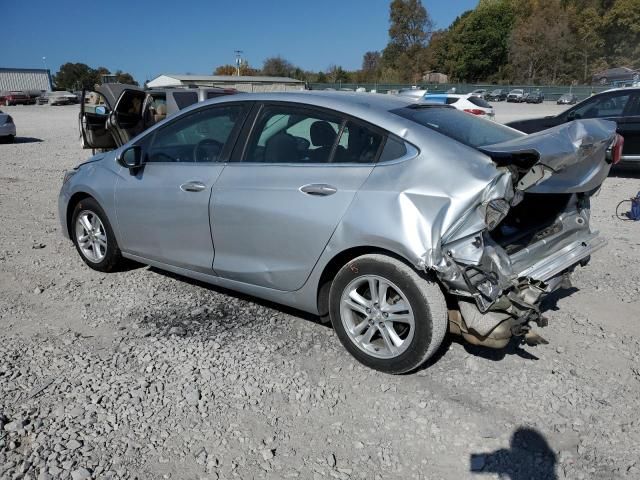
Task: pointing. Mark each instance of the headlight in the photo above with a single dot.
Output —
(495, 211)
(67, 175)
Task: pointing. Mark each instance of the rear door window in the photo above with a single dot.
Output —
(604, 106)
(292, 134)
(479, 102)
(358, 144)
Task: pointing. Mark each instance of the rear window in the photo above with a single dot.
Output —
(184, 99)
(462, 127)
(479, 102)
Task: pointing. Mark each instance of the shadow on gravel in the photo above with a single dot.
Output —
(274, 306)
(625, 172)
(27, 140)
(550, 302)
(514, 347)
(529, 456)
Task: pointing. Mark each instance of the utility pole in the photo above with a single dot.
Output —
(238, 61)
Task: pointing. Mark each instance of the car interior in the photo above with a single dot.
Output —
(299, 138)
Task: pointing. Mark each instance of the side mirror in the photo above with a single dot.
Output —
(131, 157)
(101, 110)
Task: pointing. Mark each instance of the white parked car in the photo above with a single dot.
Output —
(468, 103)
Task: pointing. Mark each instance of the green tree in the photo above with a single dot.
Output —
(75, 76)
(277, 67)
(370, 67)
(124, 77)
(410, 29)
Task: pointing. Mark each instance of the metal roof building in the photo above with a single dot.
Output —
(25, 79)
(241, 83)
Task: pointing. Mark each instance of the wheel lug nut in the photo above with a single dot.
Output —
(385, 314)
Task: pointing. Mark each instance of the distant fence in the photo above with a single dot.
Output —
(551, 92)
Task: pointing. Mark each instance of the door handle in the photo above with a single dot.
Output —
(192, 187)
(318, 189)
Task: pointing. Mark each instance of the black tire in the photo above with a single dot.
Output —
(11, 139)
(112, 260)
(424, 296)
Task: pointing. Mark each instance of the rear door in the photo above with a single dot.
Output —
(93, 117)
(629, 128)
(276, 207)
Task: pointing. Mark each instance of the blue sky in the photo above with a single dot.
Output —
(194, 36)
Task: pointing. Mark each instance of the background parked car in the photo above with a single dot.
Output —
(497, 95)
(15, 98)
(7, 128)
(479, 92)
(516, 95)
(567, 99)
(62, 98)
(43, 99)
(619, 74)
(115, 112)
(467, 103)
(621, 105)
(535, 97)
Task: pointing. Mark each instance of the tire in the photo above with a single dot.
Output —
(421, 327)
(106, 256)
(11, 139)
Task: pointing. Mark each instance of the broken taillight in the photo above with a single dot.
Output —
(475, 111)
(616, 149)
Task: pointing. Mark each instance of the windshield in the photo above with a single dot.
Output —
(496, 92)
(460, 126)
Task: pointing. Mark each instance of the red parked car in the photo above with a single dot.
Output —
(15, 98)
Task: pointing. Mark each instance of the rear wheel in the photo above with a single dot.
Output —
(94, 238)
(386, 315)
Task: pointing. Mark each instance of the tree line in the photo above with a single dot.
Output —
(76, 76)
(500, 41)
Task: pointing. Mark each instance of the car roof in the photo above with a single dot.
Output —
(336, 100)
(619, 89)
(375, 108)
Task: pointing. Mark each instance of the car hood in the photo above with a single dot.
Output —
(568, 147)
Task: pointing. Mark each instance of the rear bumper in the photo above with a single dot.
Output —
(564, 259)
(7, 130)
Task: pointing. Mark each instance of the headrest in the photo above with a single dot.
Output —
(322, 134)
(161, 109)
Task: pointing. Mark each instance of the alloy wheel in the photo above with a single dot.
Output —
(377, 316)
(91, 236)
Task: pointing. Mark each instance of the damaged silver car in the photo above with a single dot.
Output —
(398, 221)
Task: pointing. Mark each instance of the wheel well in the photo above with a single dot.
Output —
(336, 263)
(73, 201)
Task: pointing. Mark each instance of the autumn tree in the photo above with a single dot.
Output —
(409, 31)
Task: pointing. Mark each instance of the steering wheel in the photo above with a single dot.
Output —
(207, 150)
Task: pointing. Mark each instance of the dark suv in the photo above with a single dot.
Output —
(620, 105)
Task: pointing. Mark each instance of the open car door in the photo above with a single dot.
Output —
(127, 118)
(94, 114)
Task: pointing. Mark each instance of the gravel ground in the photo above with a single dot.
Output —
(141, 374)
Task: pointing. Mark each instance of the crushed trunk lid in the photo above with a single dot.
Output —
(569, 158)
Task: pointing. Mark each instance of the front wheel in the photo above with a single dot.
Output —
(94, 238)
(386, 314)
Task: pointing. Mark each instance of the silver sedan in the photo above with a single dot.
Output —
(397, 221)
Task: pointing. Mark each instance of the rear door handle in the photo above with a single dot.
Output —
(318, 189)
(192, 187)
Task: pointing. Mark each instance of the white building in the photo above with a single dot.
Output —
(25, 79)
(240, 83)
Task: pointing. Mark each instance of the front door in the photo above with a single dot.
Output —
(274, 210)
(163, 208)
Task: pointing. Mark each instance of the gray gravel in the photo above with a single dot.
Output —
(142, 374)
